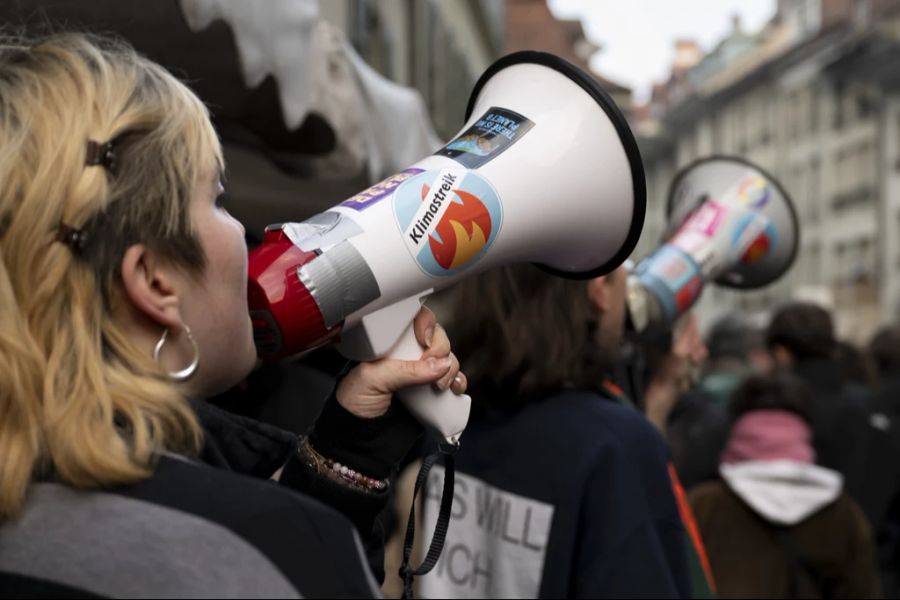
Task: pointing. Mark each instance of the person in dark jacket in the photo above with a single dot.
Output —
(561, 490)
(801, 339)
(123, 294)
(697, 426)
(884, 351)
(778, 525)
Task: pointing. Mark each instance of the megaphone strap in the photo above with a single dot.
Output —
(407, 573)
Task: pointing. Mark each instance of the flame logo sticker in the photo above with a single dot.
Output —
(758, 249)
(463, 231)
(448, 219)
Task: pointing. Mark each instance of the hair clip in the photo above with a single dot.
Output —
(71, 237)
(101, 154)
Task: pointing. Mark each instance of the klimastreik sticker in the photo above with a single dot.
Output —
(448, 219)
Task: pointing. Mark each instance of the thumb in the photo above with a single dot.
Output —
(399, 374)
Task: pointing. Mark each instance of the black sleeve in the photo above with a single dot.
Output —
(374, 447)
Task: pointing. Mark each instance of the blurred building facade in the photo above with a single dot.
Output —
(439, 47)
(813, 98)
(530, 25)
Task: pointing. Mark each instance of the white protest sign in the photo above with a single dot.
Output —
(496, 543)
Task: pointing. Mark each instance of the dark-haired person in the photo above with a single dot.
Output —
(857, 367)
(801, 339)
(562, 490)
(777, 525)
(697, 427)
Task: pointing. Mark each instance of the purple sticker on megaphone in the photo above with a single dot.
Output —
(754, 191)
(380, 190)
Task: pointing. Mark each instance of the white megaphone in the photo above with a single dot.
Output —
(545, 170)
(729, 222)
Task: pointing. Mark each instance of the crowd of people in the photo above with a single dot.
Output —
(761, 462)
(782, 440)
(788, 445)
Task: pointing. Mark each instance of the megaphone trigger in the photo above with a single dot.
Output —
(389, 333)
(442, 411)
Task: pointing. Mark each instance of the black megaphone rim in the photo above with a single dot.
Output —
(722, 280)
(626, 137)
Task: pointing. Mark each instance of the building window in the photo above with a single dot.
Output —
(809, 102)
(896, 135)
(814, 112)
(814, 190)
(839, 101)
(815, 266)
(861, 12)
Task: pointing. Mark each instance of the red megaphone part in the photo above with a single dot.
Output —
(286, 318)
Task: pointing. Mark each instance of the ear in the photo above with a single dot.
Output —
(598, 293)
(150, 288)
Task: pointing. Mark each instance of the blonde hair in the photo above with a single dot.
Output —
(77, 399)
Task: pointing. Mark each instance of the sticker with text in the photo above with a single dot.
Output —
(448, 219)
(490, 135)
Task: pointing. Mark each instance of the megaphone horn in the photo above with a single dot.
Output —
(729, 222)
(545, 170)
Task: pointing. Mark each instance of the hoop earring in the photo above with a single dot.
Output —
(187, 372)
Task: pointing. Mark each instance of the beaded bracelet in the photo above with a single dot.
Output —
(338, 472)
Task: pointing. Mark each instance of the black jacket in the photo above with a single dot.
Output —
(697, 430)
(568, 497)
(843, 434)
(217, 526)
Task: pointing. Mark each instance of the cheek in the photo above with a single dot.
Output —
(230, 345)
(229, 256)
(234, 274)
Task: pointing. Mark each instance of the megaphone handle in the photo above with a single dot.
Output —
(444, 412)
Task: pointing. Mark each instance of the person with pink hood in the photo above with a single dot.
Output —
(777, 525)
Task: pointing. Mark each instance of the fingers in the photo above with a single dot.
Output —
(440, 343)
(393, 375)
(424, 326)
(444, 382)
(688, 343)
(368, 388)
(460, 383)
(431, 335)
(438, 364)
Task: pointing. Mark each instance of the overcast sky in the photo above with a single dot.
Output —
(637, 36)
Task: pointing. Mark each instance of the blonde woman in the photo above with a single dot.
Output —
(122, 296)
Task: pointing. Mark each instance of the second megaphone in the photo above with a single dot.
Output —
(729, 222)
(545, 170)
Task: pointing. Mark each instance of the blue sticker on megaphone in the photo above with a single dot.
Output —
(448, 219)
(494, 132)
(754, 236)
